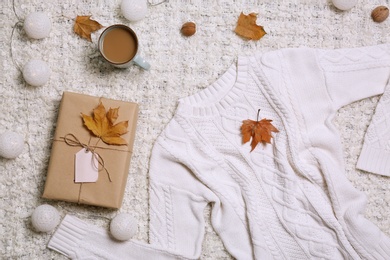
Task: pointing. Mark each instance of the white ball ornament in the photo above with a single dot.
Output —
(344, 5)
(36, 73)
(134, 10)
(37, 25)
(11, 144)
(123, 226)
(45, 218)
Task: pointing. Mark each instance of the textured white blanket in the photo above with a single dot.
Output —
(180, 67)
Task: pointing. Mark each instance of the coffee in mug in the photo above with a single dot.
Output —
(118, 45)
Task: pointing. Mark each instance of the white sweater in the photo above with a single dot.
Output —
(285, 200)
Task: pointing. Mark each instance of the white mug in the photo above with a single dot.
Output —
(118, 44)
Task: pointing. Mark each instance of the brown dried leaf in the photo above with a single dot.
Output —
(84, 26)
(259, 131)
(247, 27)
(102, 125)
(112, 114)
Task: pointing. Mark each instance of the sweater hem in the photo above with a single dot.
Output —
(383, 248)
(374, 160)
(68, 236)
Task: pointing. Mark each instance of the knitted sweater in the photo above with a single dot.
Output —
(285, 200)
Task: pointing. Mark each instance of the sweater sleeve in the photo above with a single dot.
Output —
(320, 82)
(184, 178)
(355, 73)
(375, 154)
(80, 240)
(177, 197)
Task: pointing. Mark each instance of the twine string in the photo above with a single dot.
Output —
(76, 142)
(72, 140)
(79, 196)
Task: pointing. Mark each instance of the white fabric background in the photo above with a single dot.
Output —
(180, 67)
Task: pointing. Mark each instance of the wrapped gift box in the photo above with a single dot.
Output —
(108, 190)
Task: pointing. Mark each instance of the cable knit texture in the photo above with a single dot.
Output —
(285, 200)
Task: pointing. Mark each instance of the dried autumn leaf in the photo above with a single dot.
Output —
(259, 131)
(102, 125)
(247, 27)
(84, 26)
(113, 114)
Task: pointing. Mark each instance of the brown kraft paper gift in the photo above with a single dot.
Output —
(60, 183)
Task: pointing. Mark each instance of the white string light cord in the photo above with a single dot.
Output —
(45, 217)
(34, 72)
(25, 138)
(18, 26)
(42, 222)
(154, 3)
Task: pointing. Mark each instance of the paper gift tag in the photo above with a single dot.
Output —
(86, 166)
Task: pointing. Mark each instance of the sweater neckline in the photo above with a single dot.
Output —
(219, 95)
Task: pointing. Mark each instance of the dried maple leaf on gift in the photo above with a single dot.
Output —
(259, 131)
(247, 27)
(102, 125)
(84, 26)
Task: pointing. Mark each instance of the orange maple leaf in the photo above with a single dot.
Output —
(84, 26)
(259, 131)
(247, 27)
(102, 125)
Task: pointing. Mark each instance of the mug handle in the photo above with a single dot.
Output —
(138, 60)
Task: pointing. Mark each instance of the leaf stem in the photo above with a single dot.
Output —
(258, 112)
